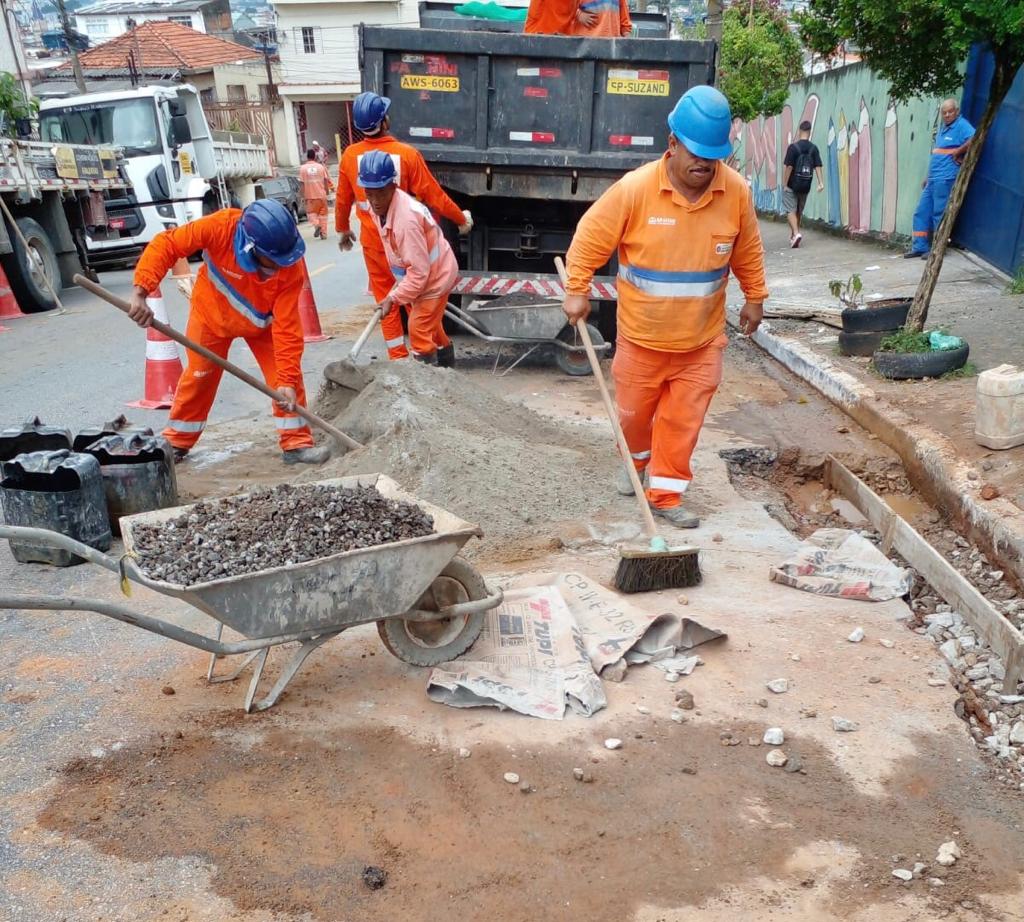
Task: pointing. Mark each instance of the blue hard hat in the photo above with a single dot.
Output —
(376, 170)
(267, 228)
(701, 121)
(368, 111)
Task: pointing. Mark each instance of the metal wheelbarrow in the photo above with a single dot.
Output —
(526, 320)
(428, 603)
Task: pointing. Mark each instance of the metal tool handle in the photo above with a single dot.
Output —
(613, 417)
(44, 537)
(365, 335)
(230, 368)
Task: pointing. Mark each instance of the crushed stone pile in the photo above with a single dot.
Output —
(456, 442)
(273, 527)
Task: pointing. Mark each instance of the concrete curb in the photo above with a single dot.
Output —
(931, 460)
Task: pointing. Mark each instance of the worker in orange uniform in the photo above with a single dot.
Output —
(557, 17)
(316, 186)
(418, 254)
(369, 114)
(679, 225)
(611, 19)
(247, 288)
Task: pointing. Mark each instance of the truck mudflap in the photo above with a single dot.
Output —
(498, 284)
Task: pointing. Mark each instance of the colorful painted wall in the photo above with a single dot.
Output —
(875, 153)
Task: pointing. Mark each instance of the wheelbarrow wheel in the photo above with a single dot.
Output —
(576, 363)
(430, 643)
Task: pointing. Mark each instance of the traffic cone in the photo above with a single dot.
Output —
(311, 331)
(8, 303)
(183, 276)
(163, 366)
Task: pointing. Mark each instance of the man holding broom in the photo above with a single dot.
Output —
(679, 225)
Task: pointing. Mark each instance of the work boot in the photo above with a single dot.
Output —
(314, 454)
(914, 254)
(678, 516)
(446, 356)
(316, 232)
(427, 358)
(180, 454)
(623, 483)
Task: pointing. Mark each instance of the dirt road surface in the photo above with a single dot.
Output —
(123, 802)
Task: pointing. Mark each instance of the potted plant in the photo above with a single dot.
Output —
(929, 354)
(866, 323)
(16, 109)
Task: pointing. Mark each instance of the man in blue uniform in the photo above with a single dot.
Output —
(951, 143)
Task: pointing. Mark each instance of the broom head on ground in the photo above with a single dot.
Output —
(657, 567)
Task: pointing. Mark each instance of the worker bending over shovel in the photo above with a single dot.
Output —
(247, 288)
(679, 225)
(412, 175)
(419, 256)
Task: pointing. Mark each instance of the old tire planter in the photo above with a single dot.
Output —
(430, 643)
(879, 316)
(898, 366)
(861, 343)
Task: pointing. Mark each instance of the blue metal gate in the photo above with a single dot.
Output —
(991, 222)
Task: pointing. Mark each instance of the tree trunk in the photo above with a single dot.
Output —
(1002, 80)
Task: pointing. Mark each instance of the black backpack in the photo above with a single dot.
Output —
(803, 169)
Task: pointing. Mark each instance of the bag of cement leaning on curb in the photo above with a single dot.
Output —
(841, 563)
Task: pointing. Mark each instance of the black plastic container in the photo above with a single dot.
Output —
(138, 474)
(58, 490)
(119, 426)
(30, 437)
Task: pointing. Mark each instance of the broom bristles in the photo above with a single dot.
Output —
(649, 571)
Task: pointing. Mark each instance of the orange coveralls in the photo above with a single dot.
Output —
(415, 178)
(227, 304)
(613, 19)
(674, 262)
(551, 17)
(426, 268)
(316, 184)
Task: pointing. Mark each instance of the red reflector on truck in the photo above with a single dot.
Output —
(532, 137)
(535, 92)
(630, 140)
(419, 132)
(116, 223)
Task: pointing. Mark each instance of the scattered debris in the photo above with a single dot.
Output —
(903, 874)
(677, 715)
(842, 725)
(919, 868)
(672, 676)
(168, 689)
(612, 743)
(888, 644)
(511, 777)
(753, 741)
(374, 877)
(936, 882)
(937, 683)
(774, 736)
(762, 702)
(684, 699)
(97, 753)
(776, 758)
(989, 491)
(682, 600)
(948, 854)
(642, 709)
(809, 712)
(856, 635)
(578, 773)
(464, 753)
(874, 679)
(527, 788)
(779, 686)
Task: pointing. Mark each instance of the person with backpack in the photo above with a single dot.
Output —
(803, 160)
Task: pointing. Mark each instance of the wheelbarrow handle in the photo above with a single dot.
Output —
(55, 539)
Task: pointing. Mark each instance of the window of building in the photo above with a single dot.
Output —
(184, 20)
(264, 93)
(236, 92)
(98, 27)
(308, 40)
(206, 97)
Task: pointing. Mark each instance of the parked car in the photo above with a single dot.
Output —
(284, 189)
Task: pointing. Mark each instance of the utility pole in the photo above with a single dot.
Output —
(271, 86)
(714, 24)
(65, 24)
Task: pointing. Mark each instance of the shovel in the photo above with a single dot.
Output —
(345, 372)
(340, 437)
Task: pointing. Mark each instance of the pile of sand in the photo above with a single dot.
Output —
(454, 441)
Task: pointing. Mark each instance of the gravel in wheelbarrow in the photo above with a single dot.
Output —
(273, 527)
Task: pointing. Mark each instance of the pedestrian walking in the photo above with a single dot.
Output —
(951, 143)
(802, 162)
(316, 186)
(369, 114)
(678, 225)
(247, 288)
(421, 259)
(321, 153)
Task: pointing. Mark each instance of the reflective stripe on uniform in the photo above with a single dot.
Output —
(674, 284)
(435, 253)
(640, 455)
(945, 151)
(186, 425)
(289, 422)
(235, 299)
(395, 343)
(592, 6)
(669, 483)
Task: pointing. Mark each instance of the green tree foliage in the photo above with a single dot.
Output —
(919, 45)
(13, 102)
(758, 59)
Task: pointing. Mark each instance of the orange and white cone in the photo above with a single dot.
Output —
(163, 365)
(9, 309)
(311, 332)
(183, 276)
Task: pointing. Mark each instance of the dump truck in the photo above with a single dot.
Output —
(54, 198)
(179, 168)
(526, 131)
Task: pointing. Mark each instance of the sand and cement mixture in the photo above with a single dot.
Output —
(272, 528)
(455, 442)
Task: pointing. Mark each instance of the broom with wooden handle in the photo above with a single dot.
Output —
(657, 566)
(340, 437)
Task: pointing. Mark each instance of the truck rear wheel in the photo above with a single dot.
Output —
(26, 268)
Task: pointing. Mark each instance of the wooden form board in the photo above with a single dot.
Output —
(991, 626)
